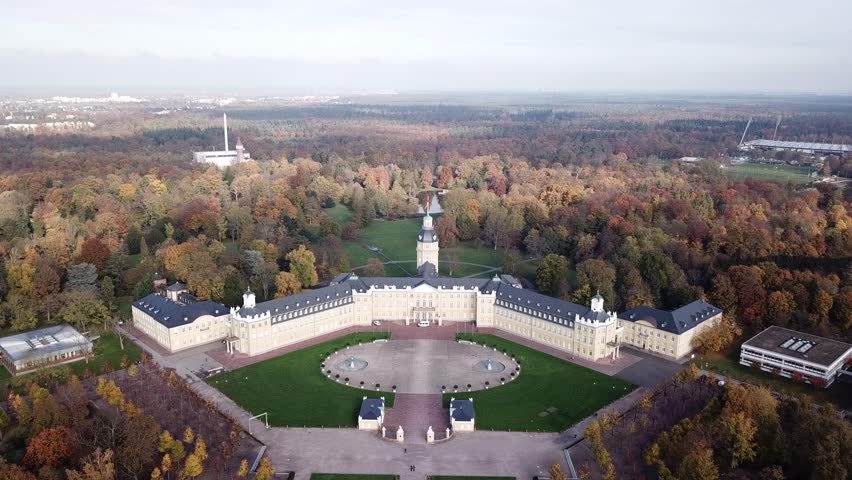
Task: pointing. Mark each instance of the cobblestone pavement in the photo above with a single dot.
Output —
(416, 413)
(307, 451)
(422, 366)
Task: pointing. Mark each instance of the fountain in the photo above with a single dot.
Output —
(352, 364)
(489, 366)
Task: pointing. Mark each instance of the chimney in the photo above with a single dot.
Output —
(225, 127)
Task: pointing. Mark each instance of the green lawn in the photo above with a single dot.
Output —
(780, 173)
(351, 476)
(294, 392)
(340, 213)
(550, 395)
(728, 365)
(107, 350)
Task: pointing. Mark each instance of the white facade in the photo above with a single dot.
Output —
(796, 355)
(427, 245)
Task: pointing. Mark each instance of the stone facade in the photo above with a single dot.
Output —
(592, 332)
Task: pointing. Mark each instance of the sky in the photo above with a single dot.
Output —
(320, 46)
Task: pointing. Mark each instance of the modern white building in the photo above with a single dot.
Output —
(796, 355)
(224, 158)
(32, 350)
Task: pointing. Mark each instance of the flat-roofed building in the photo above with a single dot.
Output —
(54, 345)
(796, 355)
(804, 147)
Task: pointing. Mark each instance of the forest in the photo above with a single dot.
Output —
(595, 195)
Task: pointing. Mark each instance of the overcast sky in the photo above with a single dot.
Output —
(315, 46)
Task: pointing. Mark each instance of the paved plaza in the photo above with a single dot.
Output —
(479, 453)
(422, 366)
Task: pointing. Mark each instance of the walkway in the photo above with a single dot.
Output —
(480, 453)
(416, 413)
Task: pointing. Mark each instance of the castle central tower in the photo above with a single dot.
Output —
(427, 245)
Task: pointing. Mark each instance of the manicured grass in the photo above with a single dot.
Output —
(294, 392)
(351, 476)
(550, 395)
(444, 477)
(728, 365)
(779, 173)
(340, 213)
(107, 350)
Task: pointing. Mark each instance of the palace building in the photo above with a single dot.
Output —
(176, 321)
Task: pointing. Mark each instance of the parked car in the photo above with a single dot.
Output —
(423, 323)
(377, 323)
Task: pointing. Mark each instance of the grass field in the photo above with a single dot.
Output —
(294, 392)
(107, 350)
(351, 476)
(728, 364)
(779, 173)
(397, 240)
(550, 395)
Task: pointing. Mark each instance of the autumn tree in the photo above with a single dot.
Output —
(52, 446)
(374, 268)
(302, 266)
(717, 337)
(264, 470)
(96, 466)
(286, 284)
(94, 252)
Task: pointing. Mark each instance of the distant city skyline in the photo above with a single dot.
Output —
(343, 47)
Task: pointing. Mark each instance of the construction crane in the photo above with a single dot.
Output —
(745, 131)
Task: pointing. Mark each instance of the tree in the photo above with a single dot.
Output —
(188, 435)
(303, 266)
(139, 442)
(83, 308)
(698, 464)
(262, 270)
(4, 422)
(448, 232)
(717, 337)
(264, 470)
(374, 268)
(556, 472)
(10, 471)
(82, 276)
(738, 430)
(350, 232)
(192, 467)
(51, 447)
(243, 470)
(286, 284)
(551, 272)
(94, 252)
(97, 466)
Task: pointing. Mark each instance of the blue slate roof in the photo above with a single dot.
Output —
(677, 321)
(461, 410)
(173, 314)
(371, 408)
(340, 292)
